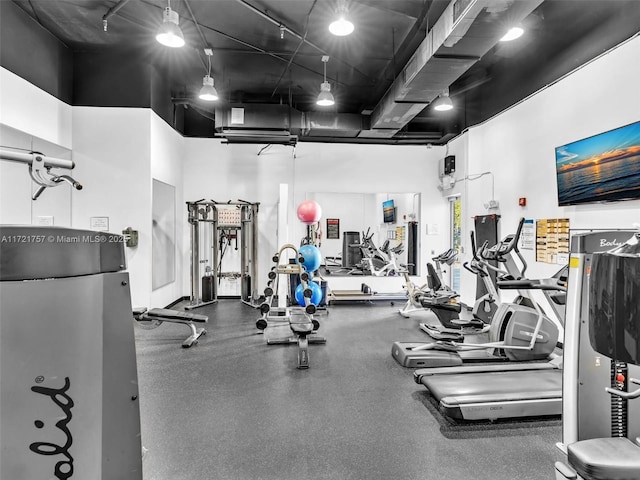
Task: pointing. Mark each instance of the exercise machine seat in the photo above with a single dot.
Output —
(164, 313)
(434, 280)
(302, 328)
(605, 459)
(436, 302)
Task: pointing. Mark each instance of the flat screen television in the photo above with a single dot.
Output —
(602, 168)
(389, 211)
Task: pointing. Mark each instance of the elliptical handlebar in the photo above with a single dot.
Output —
(505, 246)
(447, 257)
(499, 251)
(473, 269)
(474, 265)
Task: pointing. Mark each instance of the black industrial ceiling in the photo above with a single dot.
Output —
(267, 58)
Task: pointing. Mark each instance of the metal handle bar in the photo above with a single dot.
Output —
(36, 159)
(625, 395)
(504, 247)
(473, 269)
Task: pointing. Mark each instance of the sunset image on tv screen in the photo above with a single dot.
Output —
(602, 168)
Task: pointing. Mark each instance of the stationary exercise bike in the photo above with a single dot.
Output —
(504, 255)
(435, 288)
(440, 299)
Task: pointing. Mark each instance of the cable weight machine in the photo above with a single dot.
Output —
(211, 224)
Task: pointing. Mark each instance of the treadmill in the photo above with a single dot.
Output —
(530, 390)
(491, 392)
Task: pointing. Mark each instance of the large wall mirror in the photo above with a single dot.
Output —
(163, 234)
(356, 226)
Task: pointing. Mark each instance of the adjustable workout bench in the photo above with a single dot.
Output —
(149, 319)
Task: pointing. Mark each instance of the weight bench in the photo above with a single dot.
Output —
(150, 319)
(303, 329)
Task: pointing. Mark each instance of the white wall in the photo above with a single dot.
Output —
(359, 212)
(518, 146)
(17, 188)
(215, 171)
(32, 120)
(112, 155)
(166, 152)
(373, 169)
(227, 172)
(28, 109)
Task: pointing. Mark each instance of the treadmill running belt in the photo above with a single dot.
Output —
(498, 394)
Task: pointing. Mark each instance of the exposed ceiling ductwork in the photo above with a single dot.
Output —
(266, 61)
(465, 31)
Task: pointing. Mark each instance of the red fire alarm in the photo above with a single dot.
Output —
(522, 201)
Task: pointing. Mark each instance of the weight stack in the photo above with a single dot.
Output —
(208, 288)
(351, 255)
(412, 248)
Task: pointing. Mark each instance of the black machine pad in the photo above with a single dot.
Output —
(614, 310)
(431, 302)
(161, 313)
(610, 458)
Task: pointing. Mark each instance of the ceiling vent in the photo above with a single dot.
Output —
(466, 30)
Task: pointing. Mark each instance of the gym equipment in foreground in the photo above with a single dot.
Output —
(40, 169)
(150, 319)
(301, 322)
(68, 378)
(601, 404)
(519, 330)
(439, 298)
(522, 389)
(222, 218)
(365, 294)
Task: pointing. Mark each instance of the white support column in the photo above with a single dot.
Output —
(283, 236)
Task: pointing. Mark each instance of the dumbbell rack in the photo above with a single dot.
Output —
(300, 320)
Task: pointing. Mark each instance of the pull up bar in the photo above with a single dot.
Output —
(36, 159)
(40, 169)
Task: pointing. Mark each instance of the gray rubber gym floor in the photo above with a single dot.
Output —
(233, 407)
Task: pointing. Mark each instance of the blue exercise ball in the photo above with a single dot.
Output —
(316, 293)
(312, 257)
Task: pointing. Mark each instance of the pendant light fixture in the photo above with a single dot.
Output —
(169, 33)
(512, 34)
(341, 26)
(208, 92)
(325, 98)
(443, 102)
